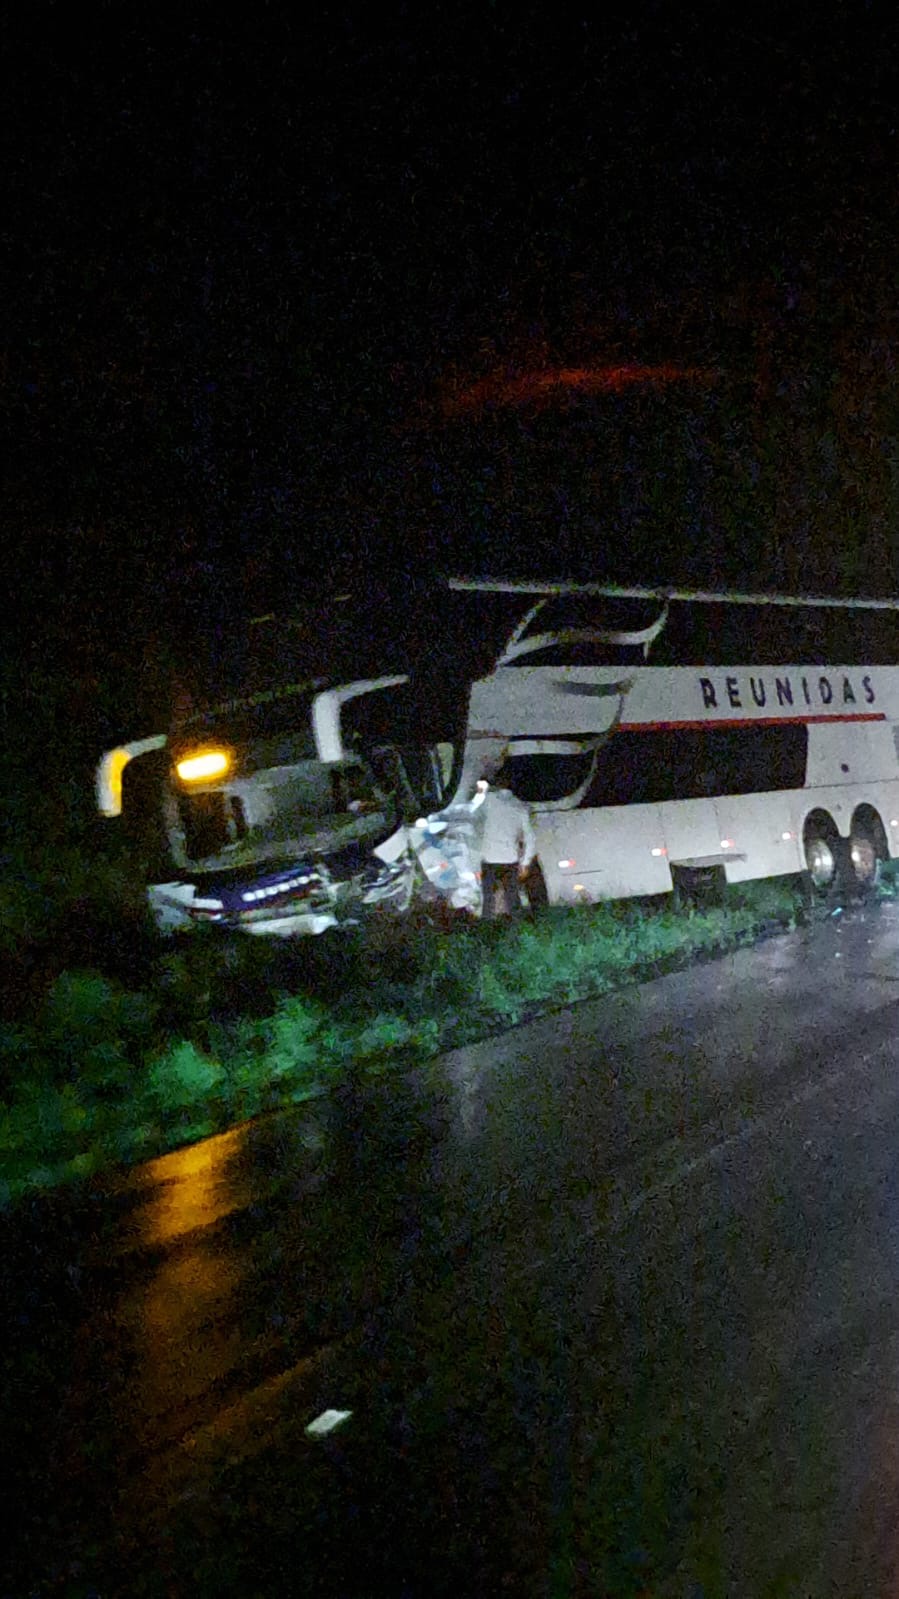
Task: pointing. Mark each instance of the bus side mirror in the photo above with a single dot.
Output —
(110, 771)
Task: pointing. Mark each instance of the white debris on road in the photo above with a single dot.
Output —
(326, 1422)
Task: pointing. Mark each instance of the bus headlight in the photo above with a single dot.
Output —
(204, 765)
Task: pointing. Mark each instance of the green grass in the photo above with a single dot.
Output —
(103, 1067)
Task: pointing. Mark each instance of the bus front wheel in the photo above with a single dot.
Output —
(821, 861)
(533, 887)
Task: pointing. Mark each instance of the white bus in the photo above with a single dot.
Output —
(673, 742)
(663, 743)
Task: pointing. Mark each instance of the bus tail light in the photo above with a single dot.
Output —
(659, 849)
(727, 843)
(567, 866)
(786, 837)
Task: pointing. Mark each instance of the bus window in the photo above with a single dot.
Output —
(645, 766)
(548, 777)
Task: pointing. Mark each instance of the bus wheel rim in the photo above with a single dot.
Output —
(864, 859)
(821, 862)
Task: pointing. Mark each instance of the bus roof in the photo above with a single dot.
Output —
(488, 585)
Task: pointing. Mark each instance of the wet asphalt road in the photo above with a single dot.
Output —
(613, 1302)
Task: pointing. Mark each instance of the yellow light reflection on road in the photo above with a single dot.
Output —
(194, 1188)
(180, 1316)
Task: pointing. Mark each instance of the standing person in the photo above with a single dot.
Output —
(508, 847)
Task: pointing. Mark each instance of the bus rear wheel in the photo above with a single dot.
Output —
(865, 854)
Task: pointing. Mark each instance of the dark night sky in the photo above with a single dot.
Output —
(254, 269)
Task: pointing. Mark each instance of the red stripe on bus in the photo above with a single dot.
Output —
(746, 721)
(674, 727)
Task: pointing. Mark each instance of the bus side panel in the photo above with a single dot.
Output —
(610, 851)
(851, 753)
(889, 813)
(690, 828)
(763, 828)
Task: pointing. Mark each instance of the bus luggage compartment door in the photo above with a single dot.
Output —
(691, 831)
(609, 852)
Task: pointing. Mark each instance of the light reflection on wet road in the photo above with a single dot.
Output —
(613, 1302)
(189, 1188)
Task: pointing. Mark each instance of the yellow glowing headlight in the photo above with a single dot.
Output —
(203, 765)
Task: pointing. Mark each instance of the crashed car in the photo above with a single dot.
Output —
(253, 815)
(317, 767)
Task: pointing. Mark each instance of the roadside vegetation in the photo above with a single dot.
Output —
(116, 1046)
